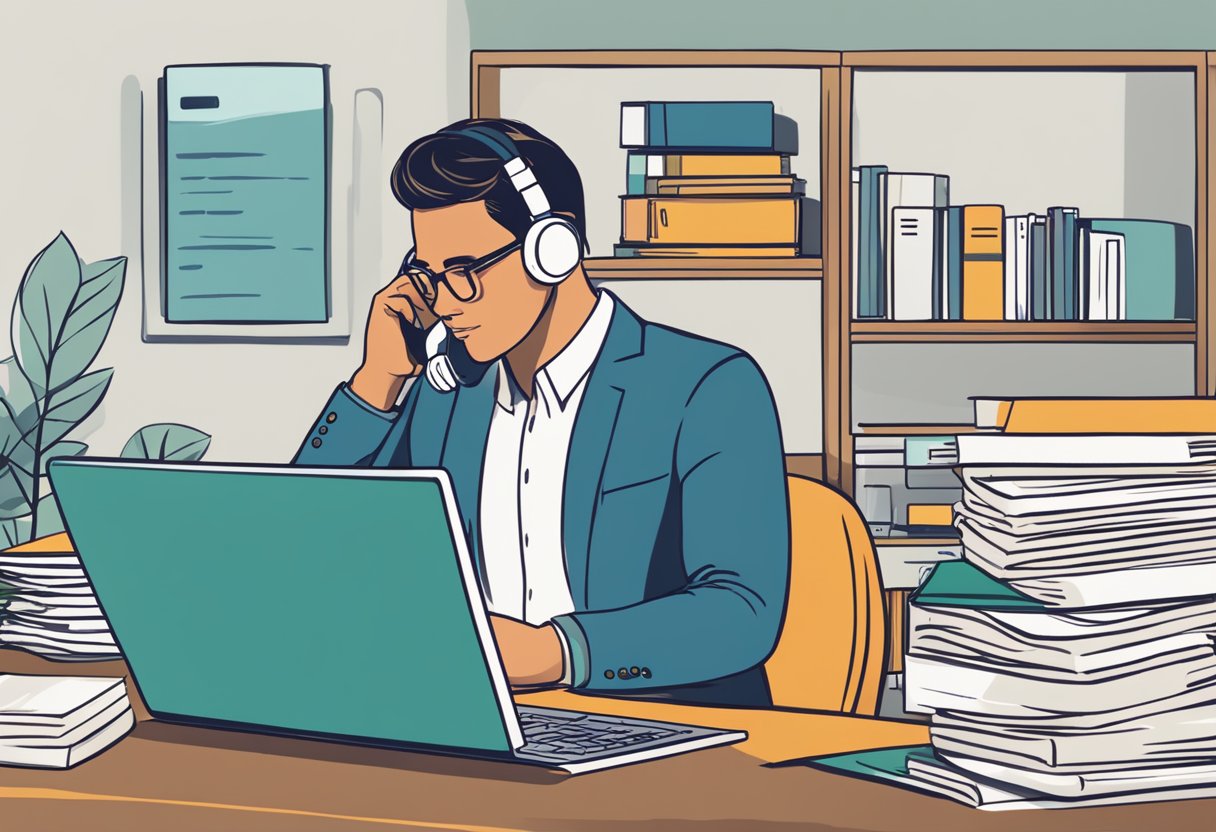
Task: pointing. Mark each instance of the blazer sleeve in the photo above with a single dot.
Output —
(349, 431)
(736, 549)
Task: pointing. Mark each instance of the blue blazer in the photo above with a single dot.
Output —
(675, 516)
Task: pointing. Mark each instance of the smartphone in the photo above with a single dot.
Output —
(466, 370)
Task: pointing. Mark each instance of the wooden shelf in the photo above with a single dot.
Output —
(1135, 332)
(913, 430)
(704, 268)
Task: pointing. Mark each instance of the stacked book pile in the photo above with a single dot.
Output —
(712, 179)
(59, 721)
(917, 257)
(1070, 657)
(50, 608)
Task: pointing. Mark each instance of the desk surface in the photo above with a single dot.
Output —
(174, 777)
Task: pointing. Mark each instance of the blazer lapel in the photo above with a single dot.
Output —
(594, 427)
(462, 451)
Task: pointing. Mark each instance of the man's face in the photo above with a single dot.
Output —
(509, 302)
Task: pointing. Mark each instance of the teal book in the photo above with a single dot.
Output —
(1062, 243)
(1160, 267)
(726, 126)
(635, 174)
(958, 583)
(1040, 272)
(952, 303)
(870, 301)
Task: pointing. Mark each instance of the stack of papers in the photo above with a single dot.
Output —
(1071, 656)
(51, 609)
(59, 721)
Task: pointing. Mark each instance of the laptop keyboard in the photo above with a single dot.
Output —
(577, 735)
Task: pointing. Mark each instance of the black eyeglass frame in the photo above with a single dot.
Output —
(427, 281)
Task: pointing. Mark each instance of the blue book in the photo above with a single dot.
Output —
(952, 302)
(1040, 271)
(726, 126)
(1160, 267)
(1062, 244)
(869, 244)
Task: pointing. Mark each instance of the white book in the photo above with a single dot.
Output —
(1084, 785)
(934, 684)
(1017, 268)
(1062, 451)
(983, 793)
(44, 757)
(39, 737)
(854, 231)
(1116, 276)
(25, 724)
(914, 261)
(633, 125)
(55, 697)
(906, 190)
(1121, 586)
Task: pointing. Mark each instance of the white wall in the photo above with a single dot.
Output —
(64, 63)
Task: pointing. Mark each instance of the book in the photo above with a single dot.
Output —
(730, 126)
(59, 721)
(1039, 268)
(855, 304)
(708, 164)
(898, 190)
(1159, 271)
(724, 185)
(914, 261)
(1103, 289)
(711, 220)
(622, 250)
(1017, 268)
(918, 768)
(983, 263)
(1062, 263)
(870, 257)
(1077, 450)
(952, 263)
(1097, 415)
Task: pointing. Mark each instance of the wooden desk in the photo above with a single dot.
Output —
(168, 777)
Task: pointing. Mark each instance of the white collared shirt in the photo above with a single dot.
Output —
(524, 476)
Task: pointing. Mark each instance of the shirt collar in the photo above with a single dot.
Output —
(569, 367)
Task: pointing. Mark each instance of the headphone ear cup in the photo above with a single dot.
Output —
(551, 250)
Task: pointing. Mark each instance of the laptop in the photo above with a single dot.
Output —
(331, 603)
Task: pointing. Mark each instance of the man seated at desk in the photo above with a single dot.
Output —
(621, 483)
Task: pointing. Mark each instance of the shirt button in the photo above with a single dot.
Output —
(525, 539)
(529, 595)
(526, 476)
(316, 442)
(322, 430)
(331, 418)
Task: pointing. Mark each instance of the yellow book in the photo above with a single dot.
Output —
(715, 164)
(983, 263)
(710, 220)
(1162, 415)
(721, 185)
(928, 514)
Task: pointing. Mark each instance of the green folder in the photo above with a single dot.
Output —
(958, 583)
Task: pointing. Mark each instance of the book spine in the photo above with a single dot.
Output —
(711, 221)
(954, 263)
(913, 263)
(743, 125)
(1062, 243)
(854, 233)
(983, 263)
(1040, 280)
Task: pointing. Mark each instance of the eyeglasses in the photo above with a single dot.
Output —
(463, 281)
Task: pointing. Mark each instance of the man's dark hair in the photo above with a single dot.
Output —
(444, 169)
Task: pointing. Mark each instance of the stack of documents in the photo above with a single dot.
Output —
(59, 721)
(51, 609)
(1071, 657)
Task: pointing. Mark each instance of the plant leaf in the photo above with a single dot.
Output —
(168, 442)
(88, 320)
(48, 288)
(68, 407)
(14, 493)
(62, 448)
(17, 392)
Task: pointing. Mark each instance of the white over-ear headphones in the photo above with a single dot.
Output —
(552, 246)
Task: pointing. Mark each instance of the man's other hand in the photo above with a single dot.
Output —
(531, 655)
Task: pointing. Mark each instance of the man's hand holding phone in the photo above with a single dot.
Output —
(387, 361)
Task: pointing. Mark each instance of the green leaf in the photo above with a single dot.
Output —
(62, 448)
(48, 290)
(68, 407)
(89, 319)
(49, 520)
(167, 442)
(22, 401)
(14, 493)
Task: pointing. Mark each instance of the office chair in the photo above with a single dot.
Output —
(831, 653)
